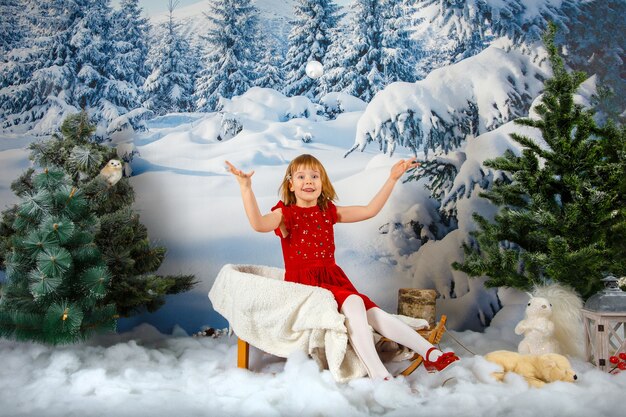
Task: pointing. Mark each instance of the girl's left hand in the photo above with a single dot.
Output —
(402, 166)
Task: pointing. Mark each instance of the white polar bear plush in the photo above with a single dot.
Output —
(537, 328)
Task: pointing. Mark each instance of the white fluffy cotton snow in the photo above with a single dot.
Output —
(145, 373)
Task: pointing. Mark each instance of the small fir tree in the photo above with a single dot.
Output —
(57, 279)
(563, 215)
(121, 238)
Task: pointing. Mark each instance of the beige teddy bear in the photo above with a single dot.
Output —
(536, 369)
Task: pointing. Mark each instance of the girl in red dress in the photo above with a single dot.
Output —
(304, 220)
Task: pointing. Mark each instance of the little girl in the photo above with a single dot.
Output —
(304, 222)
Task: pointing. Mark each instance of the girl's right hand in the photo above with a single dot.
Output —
(244, 179)
(402, 166)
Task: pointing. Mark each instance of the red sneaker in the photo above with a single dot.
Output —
(441, 363)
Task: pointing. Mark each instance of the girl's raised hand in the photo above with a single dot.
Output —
(242, 177)
(402, 166)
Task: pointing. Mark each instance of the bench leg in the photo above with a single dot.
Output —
(243, 354)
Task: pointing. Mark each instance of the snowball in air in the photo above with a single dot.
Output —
(314, 69)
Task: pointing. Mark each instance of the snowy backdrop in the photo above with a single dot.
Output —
(177, 93)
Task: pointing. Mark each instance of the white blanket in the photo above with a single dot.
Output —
(281, 317)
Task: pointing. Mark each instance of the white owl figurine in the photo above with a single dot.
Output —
(537, 328)
(112, 172)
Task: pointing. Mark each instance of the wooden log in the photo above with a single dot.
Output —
(418, 303)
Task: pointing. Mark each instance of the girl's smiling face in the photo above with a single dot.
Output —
(306, 184)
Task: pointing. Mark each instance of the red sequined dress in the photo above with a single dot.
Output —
(309, 250)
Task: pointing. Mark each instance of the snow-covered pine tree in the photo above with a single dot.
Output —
(562, 217)
(66, 63)
(464, 29)
(170, 85)
(367, 56)
(15, 28)
(91, 42)
(269, 69)
(458, 29)
(593, 47)
(57, 279)
(120, 238)
(11, 26)
(128, 60)
(130, 33)
(355, 67)
(232, 45)
(104, 86)
(311, 34)
(127, 68)
(37, 75)
(95, 87)
(399, 50)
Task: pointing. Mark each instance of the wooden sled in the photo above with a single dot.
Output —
(432, 335)
(243, 354)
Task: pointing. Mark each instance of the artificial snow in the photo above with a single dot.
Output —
(146, 373)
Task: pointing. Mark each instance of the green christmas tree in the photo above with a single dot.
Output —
(563, 214)
(121, 238)
(57, 279)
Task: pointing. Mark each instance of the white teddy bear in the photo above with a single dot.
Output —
(537, 328)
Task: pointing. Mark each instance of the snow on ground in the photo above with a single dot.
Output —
(145, 373)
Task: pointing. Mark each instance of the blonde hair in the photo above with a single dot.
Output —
(307, 161)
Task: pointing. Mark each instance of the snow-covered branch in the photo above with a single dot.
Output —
(473, 96)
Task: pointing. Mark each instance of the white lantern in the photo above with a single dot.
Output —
(604, 318)
(314, 69)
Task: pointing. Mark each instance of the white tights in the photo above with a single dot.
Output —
(358, 321)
